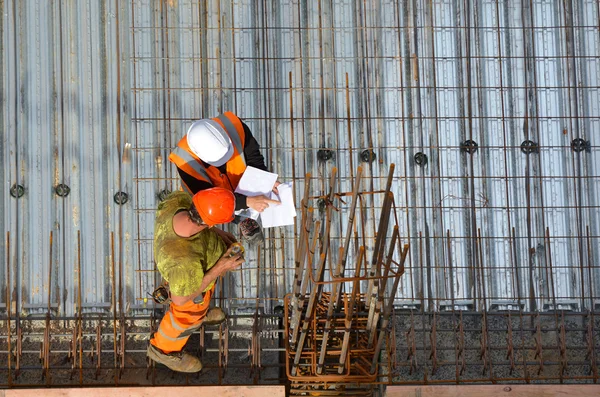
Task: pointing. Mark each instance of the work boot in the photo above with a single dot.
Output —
(251, 231)
(176, 361)
(215, 315)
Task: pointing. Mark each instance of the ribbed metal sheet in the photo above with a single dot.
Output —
(81, 78)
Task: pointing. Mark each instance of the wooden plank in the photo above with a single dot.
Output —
(495, 391)
(179, 391)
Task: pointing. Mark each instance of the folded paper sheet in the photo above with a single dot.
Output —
(255, 182)
(283, 214)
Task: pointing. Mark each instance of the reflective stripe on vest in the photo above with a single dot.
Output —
(232, 132)
(193, 163)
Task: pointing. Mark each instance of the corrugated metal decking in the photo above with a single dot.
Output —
(489, 110)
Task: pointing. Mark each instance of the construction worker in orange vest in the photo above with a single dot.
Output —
(216, 152)
(190, 255)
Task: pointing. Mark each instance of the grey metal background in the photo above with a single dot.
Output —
(81, 78)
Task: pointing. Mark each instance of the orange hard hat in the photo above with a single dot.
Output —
(215, 205)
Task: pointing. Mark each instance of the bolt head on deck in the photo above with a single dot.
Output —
(325, 155)
(121, 198)
(529, 147)
(17, 191)
(421, 159)
(62, 190)
(469, 146)
(580, 145)
(368, 156)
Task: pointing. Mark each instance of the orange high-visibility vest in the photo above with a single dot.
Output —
(188, 162)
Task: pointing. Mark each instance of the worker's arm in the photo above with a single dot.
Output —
(223, 265)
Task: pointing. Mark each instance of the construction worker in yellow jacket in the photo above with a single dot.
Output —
(190, 254)
(216, 152)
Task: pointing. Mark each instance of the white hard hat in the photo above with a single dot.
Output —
(209, 141)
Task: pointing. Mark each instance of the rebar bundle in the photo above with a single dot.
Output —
(336, 332)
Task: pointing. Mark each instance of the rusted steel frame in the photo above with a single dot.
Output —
(513, 245)
(302, 242)
(19, 348)
(325, 338)
(297, 311)
(8, 310)
(351, 214)
(292, 138)
(350, 310)
(485, 337)
(450, 267)
(72, 355)
(98, 349)
(45, 348)
(381, 229)
(483, 350)
(310, 311)
(150, 365)
(79, 308)
(388, 309)
(535, 98)
(505, 151)
(591, 353)
(573, 107)
(220, 354)
(336, 288)
(372, 326)
(523, 351)
(225, 337)
(393, 356)
(510, 354)
(375, 272)
(349, 129)
(411, 345)
(344, 250)
(433, 343)
(316, 289)
(461, 346)
(114, 305)
(562, 347)
(480, 271)
(538, 344)
(254, 350)
(300, 259)
(123, 336)
(361, 277)
(201, 342)
(559, 327)
(549, 268)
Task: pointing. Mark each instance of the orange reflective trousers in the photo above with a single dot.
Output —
(179, 322)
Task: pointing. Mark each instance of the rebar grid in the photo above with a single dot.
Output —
(488, 109)
(480, 176)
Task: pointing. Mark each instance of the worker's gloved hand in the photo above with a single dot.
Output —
(260, 203)
(227, 263)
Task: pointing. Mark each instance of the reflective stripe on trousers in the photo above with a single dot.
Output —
(178, 323)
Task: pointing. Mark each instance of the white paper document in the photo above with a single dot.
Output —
(282, 214)
(255, 182)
